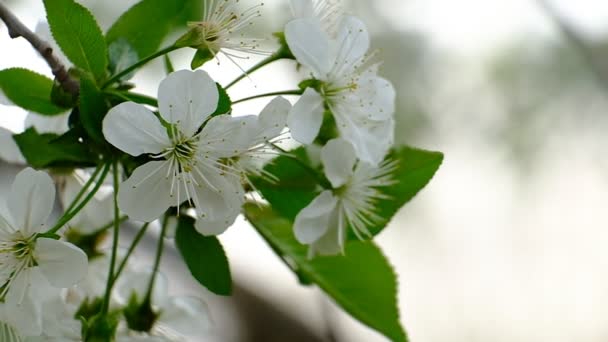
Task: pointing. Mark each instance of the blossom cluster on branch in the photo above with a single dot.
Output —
(315, 172)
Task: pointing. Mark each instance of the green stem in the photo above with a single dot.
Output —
(138, 64)
(136, 240)
(159, 253)
(68, 215)
(110, 283)
(273, 58)
(110, 225)
(84, 189)
(276, 93)
(135, 97)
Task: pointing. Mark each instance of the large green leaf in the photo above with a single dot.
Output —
(51, 150)
(93, 108)
(29, 90)
(298, 183)
(362, 281)
(147, 23)
(204, 256)
(76, 31)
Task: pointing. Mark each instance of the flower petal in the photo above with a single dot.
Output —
(9, 151)
(137, 282)
(218, 200)
(57, 124)
(273, 118)
(313, 221)
(371, 139)
(374, 97)
(339, 158)
(352, 42)
(331, 243)
(134, 129)
(98, 212)
(310, 45)
(306, 117)
(62, 263)
(186, 315)
(187, 98)
(225, 136)
(147, 193)
(31, 200)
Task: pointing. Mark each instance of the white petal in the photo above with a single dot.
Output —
(330, 243)
(187, 98)
(306, 117)
(138, 282)
(147, 193)
(9, 151)
(310, 45)
(352, 41)
(302, 8)
(31, 200)
(134, 129)
(62, 263)
(225, 136)
(273, 118)
(313, 221)
(186, 315)
(98, 212)
(57, 124)
(375, 97)
(371, 139)
(339, 158)
(218, 202)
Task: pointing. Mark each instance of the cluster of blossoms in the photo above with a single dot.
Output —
(187, 157)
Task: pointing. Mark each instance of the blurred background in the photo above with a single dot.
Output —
(508, 242)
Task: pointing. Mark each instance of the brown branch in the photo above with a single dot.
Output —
(16, 29)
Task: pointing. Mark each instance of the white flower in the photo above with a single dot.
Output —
(351, 203)
(22, 252)
(177, 316)
(189, 162)
(219, 32)
(362, 103)
(328, 12)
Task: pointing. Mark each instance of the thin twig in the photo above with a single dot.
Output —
(16, 29)
(577, 41)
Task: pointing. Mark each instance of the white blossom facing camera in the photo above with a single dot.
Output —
(362, 103)
(351, 203)
(24, 255)
(189, 162)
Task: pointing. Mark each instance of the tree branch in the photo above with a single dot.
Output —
(16, 29)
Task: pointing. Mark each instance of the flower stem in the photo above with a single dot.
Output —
(110, 283)
(68, 215)
(159, 253)
(140, 234)
(276, 93)
(138, 64)
(272, 58)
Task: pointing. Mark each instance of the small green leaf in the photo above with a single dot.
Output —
(122, 55)
(51, 150)
(76, 31)
(147, 23)
(224, 104)
(29, 90)
(201, 56)
(93, 109)
(168, 64)
(362, 281)
(204, 257)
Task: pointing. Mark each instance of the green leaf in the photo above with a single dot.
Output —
(224, 104)
(147, 23)
(51, 150)
(122, 55)
(93, 109)
(362, 281)
(29, 90)
(76, 31)
(204, 257)
(415, 170)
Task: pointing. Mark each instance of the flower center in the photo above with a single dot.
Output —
(184, 152)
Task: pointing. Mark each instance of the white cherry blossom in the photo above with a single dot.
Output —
(188, 162)
(362, 103)
(351, 203)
